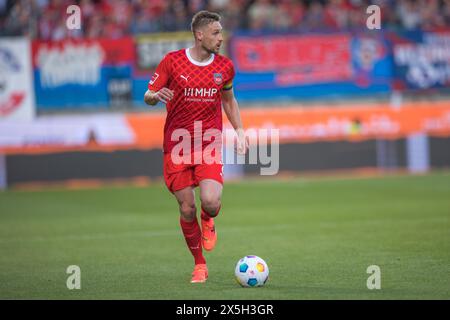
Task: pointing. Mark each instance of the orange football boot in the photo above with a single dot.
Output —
(209, 235)
(200, 273)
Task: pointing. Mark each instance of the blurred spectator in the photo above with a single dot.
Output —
(262, 15)
(45, 19)
(338, 12)
(218, 5)
(194, 6)
(175, 16)
(233, 13)
(431, 15)
(21, 19)
(357, 16)
(315, 17)
(3, 8)
(446, 12)
(409, 14)
(147, 16)
(289, 14)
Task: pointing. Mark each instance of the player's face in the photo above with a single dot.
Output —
(212, 37)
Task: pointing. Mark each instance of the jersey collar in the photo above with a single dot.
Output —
(198, 63)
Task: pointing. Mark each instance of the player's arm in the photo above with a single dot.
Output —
(164, 94)
(231, 108)
(157, 86)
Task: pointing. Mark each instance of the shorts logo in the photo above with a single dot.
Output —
(155, 76)
(218, 78)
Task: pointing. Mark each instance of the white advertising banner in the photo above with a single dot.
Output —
(17, 100)
(67, 131)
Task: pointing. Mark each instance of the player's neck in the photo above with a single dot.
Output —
(199, 54)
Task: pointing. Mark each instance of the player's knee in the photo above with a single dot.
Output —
(211, 206)
(188, 211)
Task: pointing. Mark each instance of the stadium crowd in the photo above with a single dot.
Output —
(115, 18)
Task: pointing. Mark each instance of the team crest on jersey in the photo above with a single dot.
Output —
(218, 78)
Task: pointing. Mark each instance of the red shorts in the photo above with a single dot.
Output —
(180, 176)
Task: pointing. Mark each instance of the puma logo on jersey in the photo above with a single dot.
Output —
(185, 78)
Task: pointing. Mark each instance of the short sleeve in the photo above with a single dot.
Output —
(161, 75)
(229, 82)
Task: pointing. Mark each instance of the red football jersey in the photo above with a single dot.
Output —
(197, 90)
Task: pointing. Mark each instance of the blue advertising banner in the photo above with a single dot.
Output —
(106, 73)
(421, 59)
(82, 73)
(308, 66)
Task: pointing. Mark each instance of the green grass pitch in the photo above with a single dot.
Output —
(318, 237)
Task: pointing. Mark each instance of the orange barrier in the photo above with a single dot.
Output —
(295, 124)
(350, 123)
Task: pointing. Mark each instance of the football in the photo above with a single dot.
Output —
(251, 271)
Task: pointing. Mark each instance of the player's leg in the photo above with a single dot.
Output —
(186, 201)
(210, 196)
(191, 231)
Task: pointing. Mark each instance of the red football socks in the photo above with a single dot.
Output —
(193, 236)
(206, 216)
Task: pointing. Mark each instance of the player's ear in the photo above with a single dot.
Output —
(199, 35)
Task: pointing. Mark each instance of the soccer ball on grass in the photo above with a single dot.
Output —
(251, 271)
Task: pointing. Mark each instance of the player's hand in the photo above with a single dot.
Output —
(164, 95)
(242, 142)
